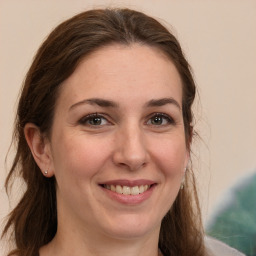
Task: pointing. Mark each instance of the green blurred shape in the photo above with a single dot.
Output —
(235, 222)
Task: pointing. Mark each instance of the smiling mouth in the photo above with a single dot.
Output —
(126, 190)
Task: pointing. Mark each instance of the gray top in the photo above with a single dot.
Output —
(217, 248)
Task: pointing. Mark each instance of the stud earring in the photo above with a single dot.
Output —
(46, 172)
(182, 184)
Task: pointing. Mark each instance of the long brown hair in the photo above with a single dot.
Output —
(34, 219)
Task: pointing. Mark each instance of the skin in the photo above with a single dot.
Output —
(124, 142)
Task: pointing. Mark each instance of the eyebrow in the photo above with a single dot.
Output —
(162, 102)
(96, 101)
(108, 103)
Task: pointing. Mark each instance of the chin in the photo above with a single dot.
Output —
(132, 227)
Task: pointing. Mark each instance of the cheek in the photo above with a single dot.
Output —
(78, 157)
(170, 156)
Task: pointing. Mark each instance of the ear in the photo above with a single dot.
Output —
(40, 148)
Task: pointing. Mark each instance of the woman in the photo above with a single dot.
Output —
(104, 129)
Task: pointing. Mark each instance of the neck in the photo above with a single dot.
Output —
(76, 244)
(77, 237)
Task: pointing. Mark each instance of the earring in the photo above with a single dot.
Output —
(46, 172)
(183, 179)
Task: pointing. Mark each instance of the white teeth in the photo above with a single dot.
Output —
(126, 190)
(119, 189)
(141, 189)
(135, 190)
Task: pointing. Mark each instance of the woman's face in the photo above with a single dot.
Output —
(117, 145)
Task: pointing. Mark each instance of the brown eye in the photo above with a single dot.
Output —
(93, 120)
(157, 120)
(160, 119)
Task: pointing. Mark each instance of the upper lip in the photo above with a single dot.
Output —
(129, 183)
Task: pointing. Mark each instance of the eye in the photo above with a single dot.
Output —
(160, 119)
(94, 120)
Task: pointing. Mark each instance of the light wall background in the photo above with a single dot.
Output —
(219, 40)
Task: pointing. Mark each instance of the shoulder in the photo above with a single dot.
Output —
(217, 248)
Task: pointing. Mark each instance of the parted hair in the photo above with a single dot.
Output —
(33, 222)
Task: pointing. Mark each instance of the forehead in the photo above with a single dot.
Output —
(134, 71)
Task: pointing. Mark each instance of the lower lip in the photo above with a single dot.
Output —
(130, 199)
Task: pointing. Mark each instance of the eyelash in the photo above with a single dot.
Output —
(170, 120)
(84, 120)
(88, 118)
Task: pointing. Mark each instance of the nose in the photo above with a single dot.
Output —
(130, 149)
